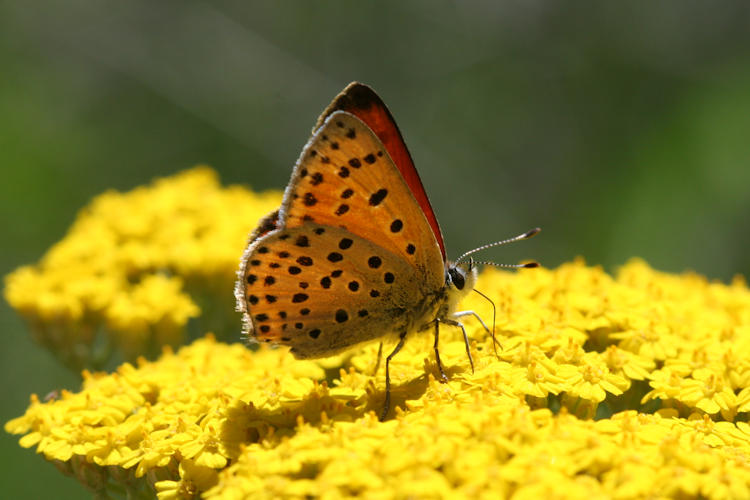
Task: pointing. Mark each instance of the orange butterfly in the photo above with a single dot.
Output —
(355, 252)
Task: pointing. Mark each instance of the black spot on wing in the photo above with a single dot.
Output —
(378, 197)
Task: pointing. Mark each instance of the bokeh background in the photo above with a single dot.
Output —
(622, 129)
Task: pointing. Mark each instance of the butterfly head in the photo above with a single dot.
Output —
(459, 281)
(461, 275)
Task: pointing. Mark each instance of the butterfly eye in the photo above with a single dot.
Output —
(457, 278)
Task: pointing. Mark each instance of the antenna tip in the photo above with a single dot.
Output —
(529, 234)
(529, 265)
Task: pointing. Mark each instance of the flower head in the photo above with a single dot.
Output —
(614, 386)
(136, 267)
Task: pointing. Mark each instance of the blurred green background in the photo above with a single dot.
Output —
(622, 129)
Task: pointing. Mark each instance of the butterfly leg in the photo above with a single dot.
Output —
(387, 404)
(461, 314)
(466, 337)
(443, 376)
(380, 357)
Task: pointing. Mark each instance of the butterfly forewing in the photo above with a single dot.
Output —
(345, 178)
(361, 101)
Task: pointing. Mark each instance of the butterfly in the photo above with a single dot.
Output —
(355, 252)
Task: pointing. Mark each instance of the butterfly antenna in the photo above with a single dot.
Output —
(524, 236)
(525, 265)
(494, 312)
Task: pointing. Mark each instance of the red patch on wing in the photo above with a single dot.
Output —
(361, 101)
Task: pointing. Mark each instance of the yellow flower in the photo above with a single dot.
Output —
(621, 386)
(194, 479)
(222, 421)
(592, 379)
(703, 389)
(627, 364)
(136, 267)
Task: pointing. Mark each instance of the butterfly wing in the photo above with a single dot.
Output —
(346, 178)
(373, 232)
(361, 101)
(321, 289)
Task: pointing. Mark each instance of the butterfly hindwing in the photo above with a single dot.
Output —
(321, 289)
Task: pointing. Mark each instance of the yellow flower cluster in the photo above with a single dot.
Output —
(136, 266)
(605, 387)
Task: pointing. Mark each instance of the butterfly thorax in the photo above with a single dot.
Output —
(441, 305)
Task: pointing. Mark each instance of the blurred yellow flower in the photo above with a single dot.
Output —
(193, 480)
(604, 386)
(136, 267)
